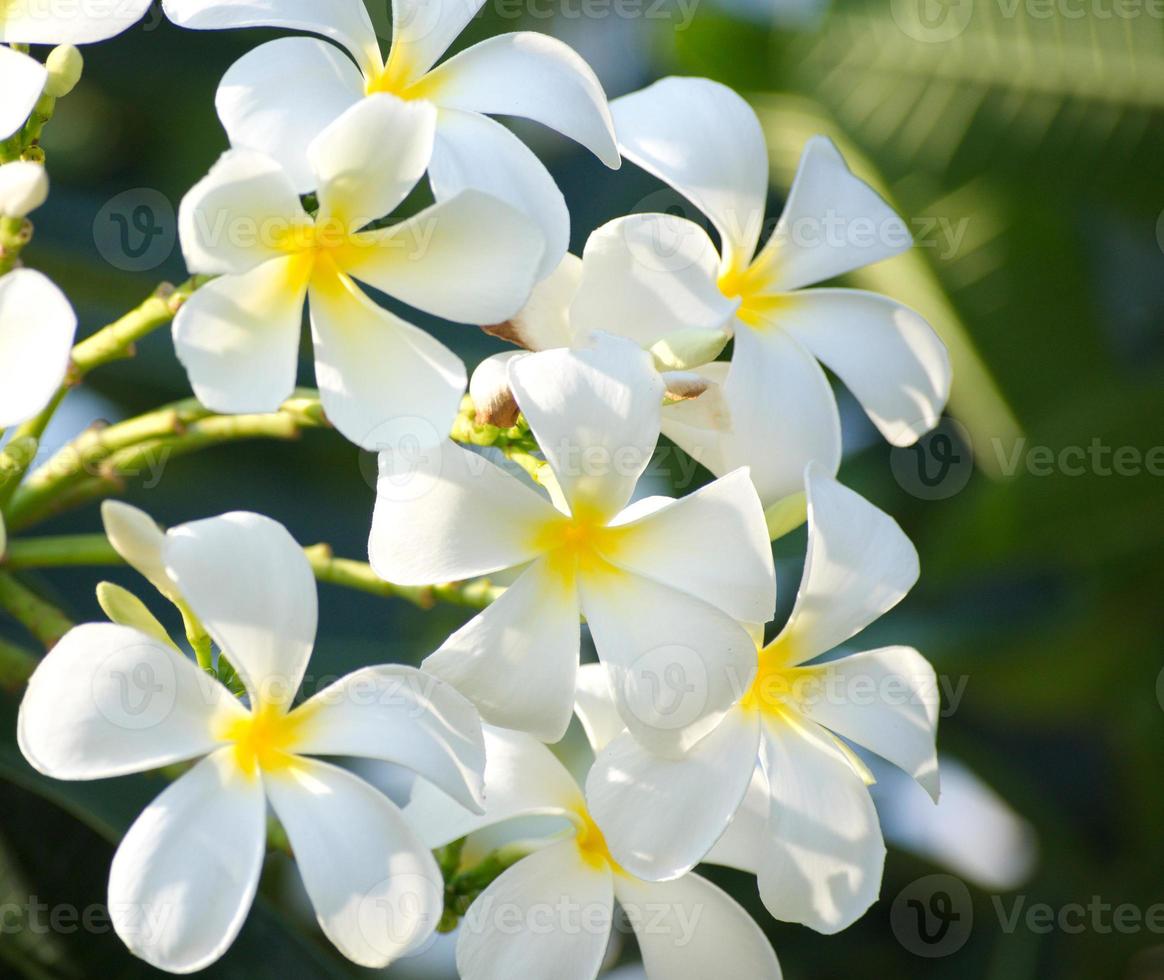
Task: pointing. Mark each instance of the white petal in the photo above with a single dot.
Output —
(648, 275)
(743, 843)
(23, 188)
(138, 539)
(517, 659)
(401, 715)
(783, 415)
(677, 663)
(595, 414)
(832, 223)
(822, 865)
(369, 159)
(885, 353)
(184, 877)
(474, 152)
(238, 337)
(689, 929)
(21, 80)
(344, 21)
(712, 544)
(251, 585)
(279, 97)
(544, 322)
(470, 259)
(562, 908)
(522, 778)
(422, 31)
(531, 75)
(886, 700)
(594, 705)
(661, 816)
(375, 887)
(444, 514)
(859, 565)
(706, 142)
(67, 22)
(232, 219)
(375, 370)
(109, 700)
(37, 327)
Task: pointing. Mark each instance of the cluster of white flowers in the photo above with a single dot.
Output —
(709, 744)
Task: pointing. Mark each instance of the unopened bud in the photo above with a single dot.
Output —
(686, 349)
(489, 389)
(23, 188)
(64, 64)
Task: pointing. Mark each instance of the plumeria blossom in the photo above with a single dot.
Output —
(464, 258)
(37, 327)
(551, 913)
(22, 79)
(662, 582)
(648, 275)
(110, 700)
(281, 95)
(807, 827)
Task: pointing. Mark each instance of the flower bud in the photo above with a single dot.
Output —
(686, 349)
(489, 389)
(64, 65)
(23, 188)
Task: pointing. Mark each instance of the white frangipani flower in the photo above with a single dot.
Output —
(37, 327)
(550, 914)
(110, 700)
(662, 583)
(23, 188)
(463, 259)
(648, 275)
(807, 827)
(278, 97)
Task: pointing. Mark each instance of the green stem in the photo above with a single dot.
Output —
(42, 619)
(60, 551)
(16, 666)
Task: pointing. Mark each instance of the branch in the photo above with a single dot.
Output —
(42, 619)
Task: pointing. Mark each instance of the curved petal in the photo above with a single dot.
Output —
(563, 908)
(522, 778)
(833, 222)
(177, 895)
(706, 142)
(544, 322)
(375, 887)
(676, 663)
(661, 816)
(61, 22)
(689, 929)
(823, 860)
(517, 659)
(470, 259)
(534, 76)
(344, 21)
(109, 700)
(401, 715)
(885, 353)
(444, 514)
(250, 584)
(783, 415)
(235, 217)
(886, 700)
(423, 30)
(594, 705)
(369, 159)
(238, 337)
(139, 540)
(648, 275)
(279, 97)
(374, 370)
(21, 80)
(742, 844)
(474, 152)
(595, 414)
(713, 544)
(37, 327)
(859, 565)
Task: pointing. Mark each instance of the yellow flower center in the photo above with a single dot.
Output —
(264, 740)
(397, 78)
(580, 543)
(748, 283)
(592, 844)
(778, 688)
